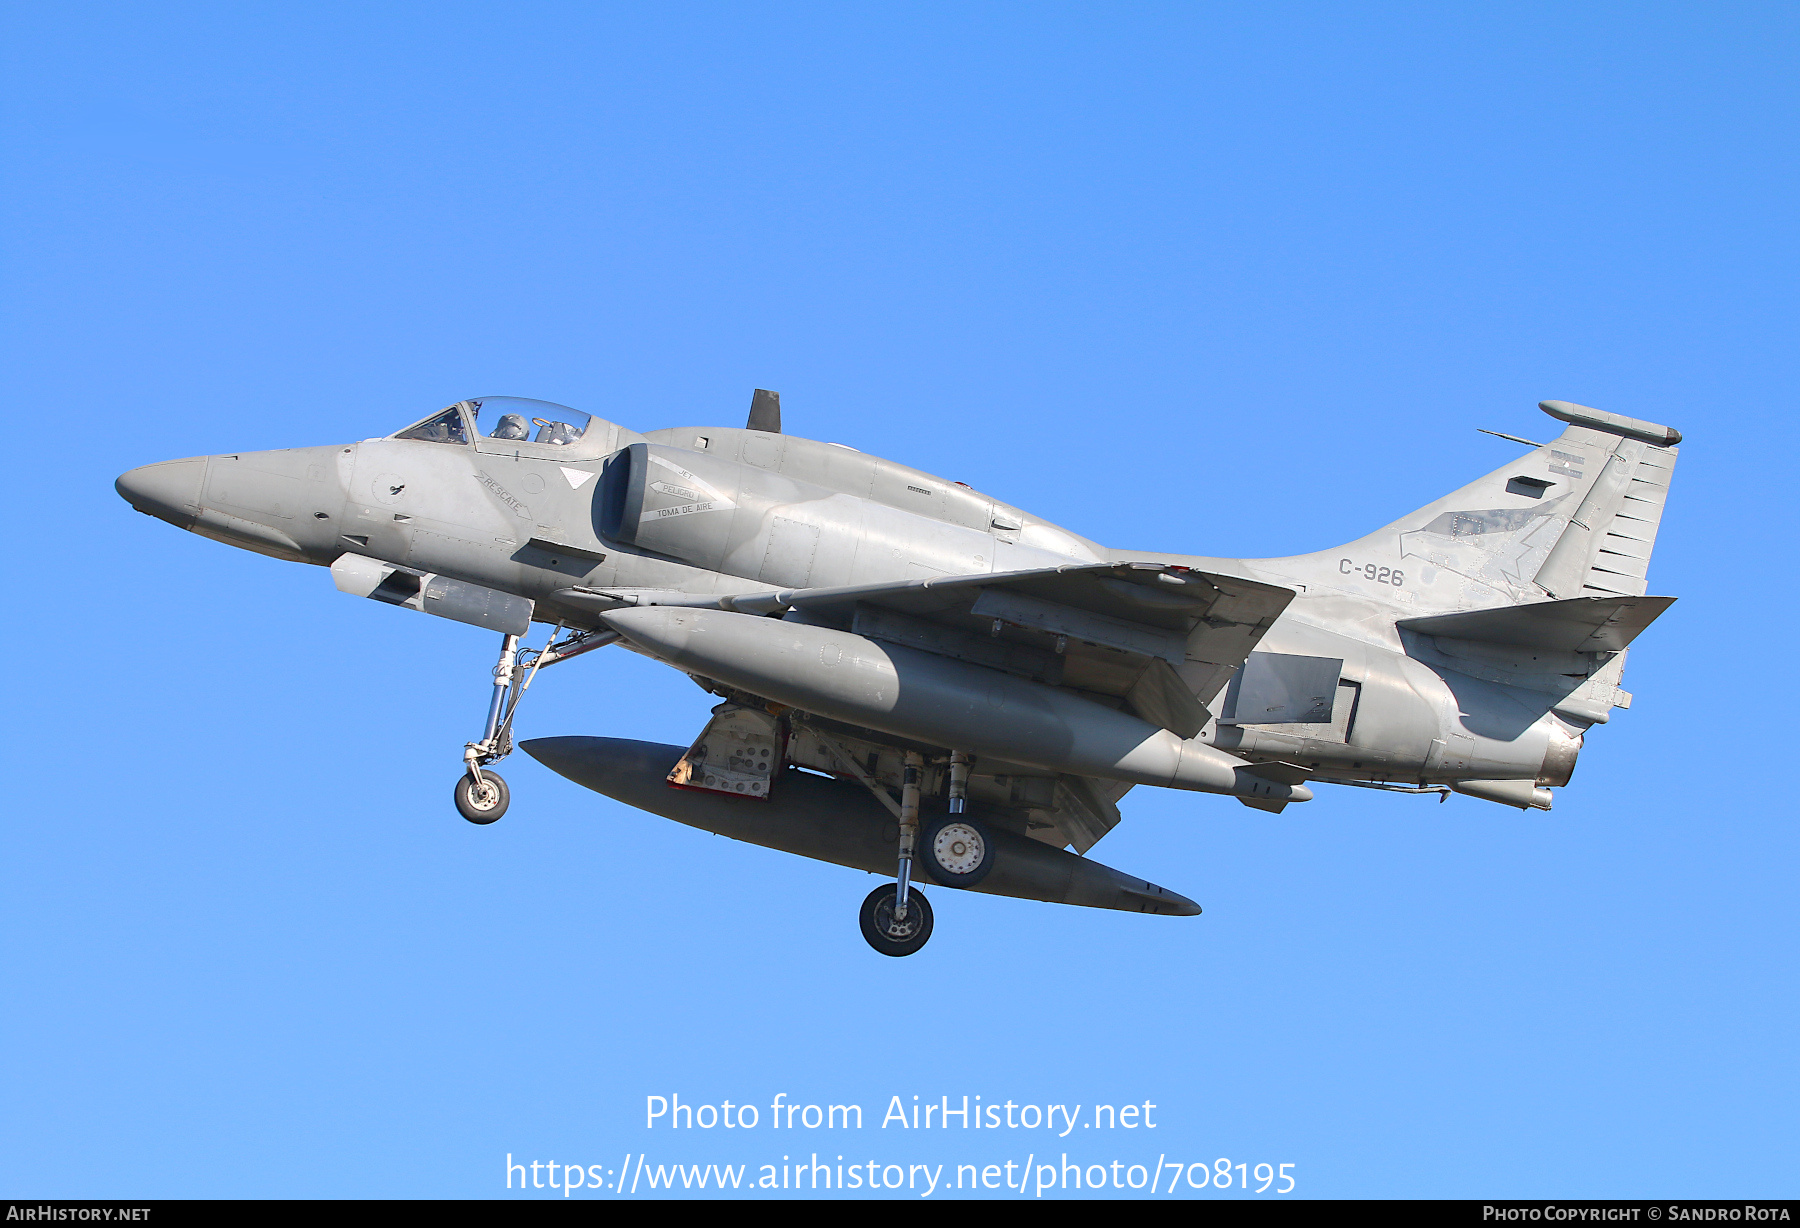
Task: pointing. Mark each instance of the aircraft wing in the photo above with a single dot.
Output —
(1152, 638)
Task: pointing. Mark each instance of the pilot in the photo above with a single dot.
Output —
(556, 432)
(510, 426)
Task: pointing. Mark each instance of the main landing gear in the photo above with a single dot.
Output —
(957, 850)
(482, 796)
(891, 934)
(896, 920)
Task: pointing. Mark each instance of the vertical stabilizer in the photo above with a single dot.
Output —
(1577, 516)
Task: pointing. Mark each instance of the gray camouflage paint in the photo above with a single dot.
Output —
(1470, 644)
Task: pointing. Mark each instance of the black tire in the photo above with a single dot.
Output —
(958, 851)
(877, 920)
(485, 806)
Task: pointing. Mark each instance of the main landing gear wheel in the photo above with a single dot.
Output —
(958, 851)
(482, 803)
(892, 937)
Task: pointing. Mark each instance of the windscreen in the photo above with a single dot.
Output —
(444, 427)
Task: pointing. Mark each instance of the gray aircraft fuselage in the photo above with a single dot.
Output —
(1468, 645)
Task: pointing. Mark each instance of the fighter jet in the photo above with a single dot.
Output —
(916, 679)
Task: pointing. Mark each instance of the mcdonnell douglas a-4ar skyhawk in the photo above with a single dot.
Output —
(919, 679)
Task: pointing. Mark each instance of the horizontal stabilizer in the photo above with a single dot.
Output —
(1580, 624)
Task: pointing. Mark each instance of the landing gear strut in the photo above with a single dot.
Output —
(897, 920)
(909, 831)
(482, 796)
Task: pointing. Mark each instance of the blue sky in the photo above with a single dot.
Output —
(1235, 280)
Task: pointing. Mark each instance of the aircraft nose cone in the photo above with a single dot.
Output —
(167, 490)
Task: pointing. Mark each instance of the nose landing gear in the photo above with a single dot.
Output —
(482, 801)
(482, 796)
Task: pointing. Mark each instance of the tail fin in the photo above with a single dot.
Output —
(1575, 517)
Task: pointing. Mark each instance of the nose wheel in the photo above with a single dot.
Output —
(893, 935)
(484, 800)
(481, 796)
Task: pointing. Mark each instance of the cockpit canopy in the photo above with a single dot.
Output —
(506, 419)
